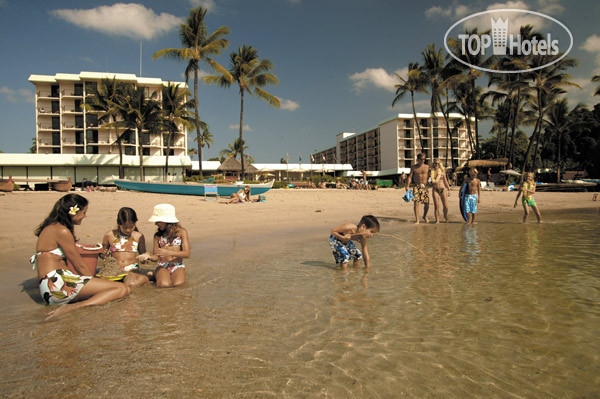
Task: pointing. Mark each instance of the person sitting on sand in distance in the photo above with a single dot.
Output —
(243, 195)
(528, 189)
(417, 181)
(56, 244)
(440, 189)
(344, 248)
(171, 246)
(124, 244)
(473, 194)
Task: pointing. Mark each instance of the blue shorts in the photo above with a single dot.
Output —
(471, 203)
(343, 252)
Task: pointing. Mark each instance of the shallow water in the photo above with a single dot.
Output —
(496, 310)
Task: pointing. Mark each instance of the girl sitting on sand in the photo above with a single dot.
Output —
(171, 245)
(124, 244)
(56, 244)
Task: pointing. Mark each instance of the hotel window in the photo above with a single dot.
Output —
(78, 89)
(77, 105)
(89, 86)
(55, 107)
(423, 122)
(92, 137)
(145, 151)
(79, 137)
(407, 123)
(55, 123)
(55, 138)
(79, 121)
(129, 150)
(92, 149)
(407, 134)
(78, 150)
(54, 91)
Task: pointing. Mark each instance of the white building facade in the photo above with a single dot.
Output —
(64, 127)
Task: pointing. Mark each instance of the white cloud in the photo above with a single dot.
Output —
(236, 126)
(377, 77)
(592, 45)
(210, 5)
(288, 105)
(131, 20)
(17, 96)
(454, 11)
(516, 19)
(550, 7)
(584, 95)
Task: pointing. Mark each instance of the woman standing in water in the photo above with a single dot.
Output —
(440, 189)
(56, 244)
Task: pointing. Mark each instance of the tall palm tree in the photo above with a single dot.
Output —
(198, 47)
(414, 83)
(104, 100)
(176, 112)
(139, 113)
(234, 150)
(558, 122)
(251, 74)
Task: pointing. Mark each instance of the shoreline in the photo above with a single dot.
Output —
(216, 228)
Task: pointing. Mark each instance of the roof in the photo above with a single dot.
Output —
(7, 159)
(125, 77)
(488, 163)
(231, 164)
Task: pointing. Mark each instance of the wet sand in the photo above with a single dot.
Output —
(215, 225)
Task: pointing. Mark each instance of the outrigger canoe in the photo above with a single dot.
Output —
(190, 188)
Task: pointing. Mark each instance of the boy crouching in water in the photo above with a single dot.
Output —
(344, 248)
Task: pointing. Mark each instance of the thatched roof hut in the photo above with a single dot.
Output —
(488, 163)
(232, 164)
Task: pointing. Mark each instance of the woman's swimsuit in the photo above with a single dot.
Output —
(170, 266)
(527, 196)
(125, 244)
(53, 285)
(436, 176)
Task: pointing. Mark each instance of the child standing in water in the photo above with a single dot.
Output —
(528, 189)
(344, 248)
(125, 243)
(473, 194)
(171, 245)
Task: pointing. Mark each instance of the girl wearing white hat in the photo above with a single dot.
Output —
(171, 245)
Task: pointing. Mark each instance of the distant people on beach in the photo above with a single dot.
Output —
(417, 182)
(171, 246)
(243, 195)
(56, 244)
(473, 194)
(343, 247)
(125, 244)
(440, 189)
(87, 185)
(527, 189)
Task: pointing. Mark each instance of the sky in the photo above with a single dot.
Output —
(335, 59)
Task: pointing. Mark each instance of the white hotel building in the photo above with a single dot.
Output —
(391, 147)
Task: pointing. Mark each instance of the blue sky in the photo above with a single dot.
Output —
(335, 59)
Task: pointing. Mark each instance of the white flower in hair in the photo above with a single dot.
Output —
(73, 210)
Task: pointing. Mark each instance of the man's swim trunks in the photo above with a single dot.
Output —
(342, 252)
(471, 203)
(421, 193)
(52, 286)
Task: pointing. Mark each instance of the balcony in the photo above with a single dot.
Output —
(72, 93)
(46, 94)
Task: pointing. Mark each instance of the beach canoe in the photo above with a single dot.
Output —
(63, 186)
(7, 185)
(189, 188)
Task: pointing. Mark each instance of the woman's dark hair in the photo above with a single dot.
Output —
(60, 212)
(126, 215)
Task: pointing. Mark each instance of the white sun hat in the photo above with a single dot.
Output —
(164, 213)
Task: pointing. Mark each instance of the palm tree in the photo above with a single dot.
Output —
(104, 100)
(234, 150)
(415, 83)
(558, 121)
(198, 47)
(251, 74)
(139, 113)
(596, 78)
(176, 112)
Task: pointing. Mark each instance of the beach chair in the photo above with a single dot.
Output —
(211, 190)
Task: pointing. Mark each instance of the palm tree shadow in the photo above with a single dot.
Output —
(31, 287)
(316, 263)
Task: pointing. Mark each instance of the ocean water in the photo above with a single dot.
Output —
(495, 310)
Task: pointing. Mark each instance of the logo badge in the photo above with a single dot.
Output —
(501, 42)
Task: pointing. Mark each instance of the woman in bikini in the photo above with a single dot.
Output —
(528, 189)
(125, 243)
(440, 189)
(243, 195)
(56, 244)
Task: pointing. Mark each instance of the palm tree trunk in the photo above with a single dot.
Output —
(120, 142)
(241, 128)
(538, 126)
(140, 152)
(513, 129)
(468, 123)
(449, 132)
(412, 97)
(197, 120)
(169, 137)
(558, 156)
(473, 99)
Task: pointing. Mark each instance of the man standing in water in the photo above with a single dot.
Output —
(417, 180)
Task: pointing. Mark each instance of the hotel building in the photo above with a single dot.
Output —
(391, 147)
(64, 127)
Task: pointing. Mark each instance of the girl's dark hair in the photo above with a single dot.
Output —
(126, 215)
(60, 212)
(170, 232)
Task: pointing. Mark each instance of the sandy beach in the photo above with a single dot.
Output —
(290, 212)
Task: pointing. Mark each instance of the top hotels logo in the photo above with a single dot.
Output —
(502, 42)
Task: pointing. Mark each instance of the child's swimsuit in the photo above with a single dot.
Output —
(125, 244)
(527, 198)
(471, 203)
(52, 284)
(170, 266)
(342, 252)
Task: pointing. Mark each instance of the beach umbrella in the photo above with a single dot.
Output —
(510, 172)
